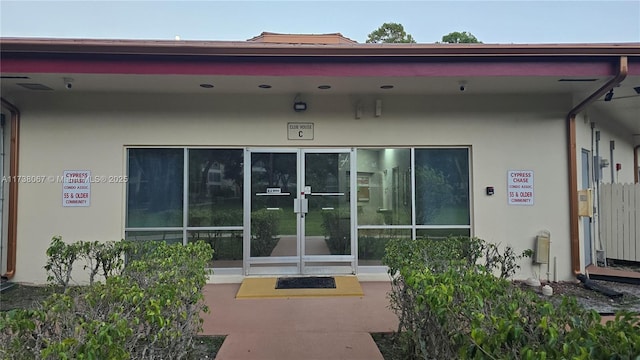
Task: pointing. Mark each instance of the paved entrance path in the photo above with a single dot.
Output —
(301, 328)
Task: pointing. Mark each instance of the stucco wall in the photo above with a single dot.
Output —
(67, 131)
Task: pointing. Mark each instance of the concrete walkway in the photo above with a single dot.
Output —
(300, 328)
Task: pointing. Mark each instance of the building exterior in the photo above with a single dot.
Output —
(304, 154)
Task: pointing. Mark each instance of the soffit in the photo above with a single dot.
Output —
(240, 67)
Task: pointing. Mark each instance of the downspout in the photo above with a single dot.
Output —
(12, 221)
(573, 167)
(636, 166)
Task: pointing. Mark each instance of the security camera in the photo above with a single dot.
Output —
(462, 88)
(68, 83)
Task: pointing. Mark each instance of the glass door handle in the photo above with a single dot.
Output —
(327, 194)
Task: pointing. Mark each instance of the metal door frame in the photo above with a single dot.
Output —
(348, 260)
(297, 265)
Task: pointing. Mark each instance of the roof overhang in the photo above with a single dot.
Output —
(239, 67)
(248, 48)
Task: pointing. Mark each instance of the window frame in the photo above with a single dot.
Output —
(413, 226)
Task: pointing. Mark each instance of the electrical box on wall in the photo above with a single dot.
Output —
(585, 203)
(541, 255)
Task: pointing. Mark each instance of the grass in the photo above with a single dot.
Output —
(313, 222)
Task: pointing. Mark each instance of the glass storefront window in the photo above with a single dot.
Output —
(384, 187)
(215, 187)
(155, 188)
(442, 186)
(372, 243)
(226, 245)
(214, 212)
(273, 221)
(169, 236)
(328, 222)
(441, 233)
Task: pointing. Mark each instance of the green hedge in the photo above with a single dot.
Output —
(452, 306)
(264, 231)
(149, 309)
(336, 225)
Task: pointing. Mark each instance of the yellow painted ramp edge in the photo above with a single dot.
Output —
(265, 288)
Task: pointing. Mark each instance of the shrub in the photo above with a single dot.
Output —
(150, 310)
(214, 217)
(451, 307)
(337, 230)
(102, 258)
(264, 231)
(61, 258)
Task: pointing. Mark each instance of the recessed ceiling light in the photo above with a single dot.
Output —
(386, 87)
(324, 87)
(206, 86)
(264, 86)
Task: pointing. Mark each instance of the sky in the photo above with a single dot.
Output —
(504, 22)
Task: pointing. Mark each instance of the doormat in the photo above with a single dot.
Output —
(316, 282)
(265, 288)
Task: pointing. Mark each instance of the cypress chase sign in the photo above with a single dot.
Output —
(520, 187)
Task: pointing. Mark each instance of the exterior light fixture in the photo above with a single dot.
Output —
(299, 105)
(609, 95)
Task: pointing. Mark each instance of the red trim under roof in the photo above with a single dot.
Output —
(290, 68)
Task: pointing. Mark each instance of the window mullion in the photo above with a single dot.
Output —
(413, 193)
(185, 196)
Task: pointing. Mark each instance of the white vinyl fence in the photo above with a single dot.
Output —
(620, 221)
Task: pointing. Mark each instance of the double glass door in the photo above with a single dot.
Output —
(300, 212)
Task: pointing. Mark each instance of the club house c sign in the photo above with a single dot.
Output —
(299, 131)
